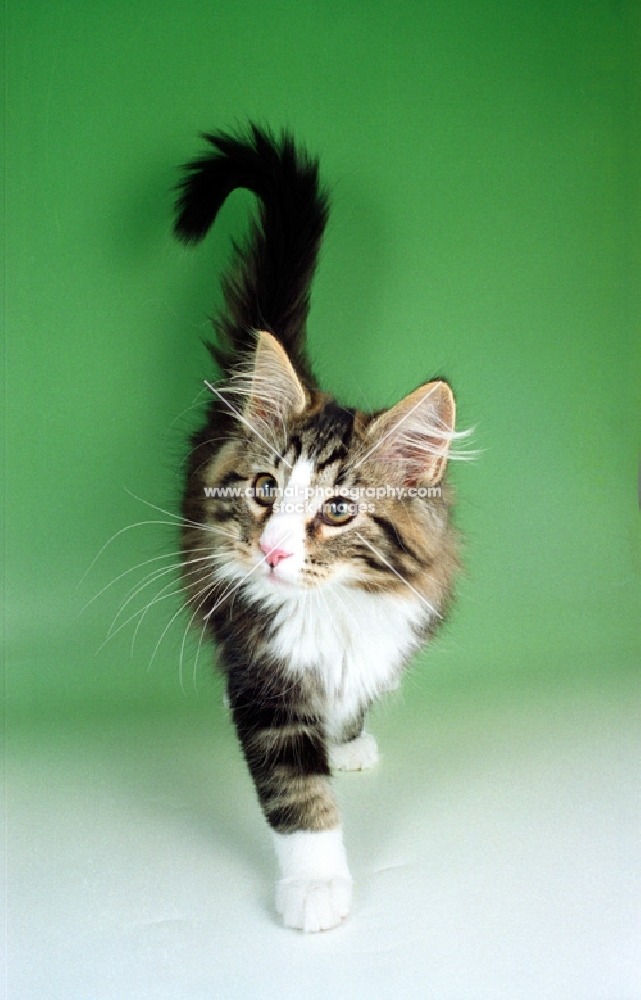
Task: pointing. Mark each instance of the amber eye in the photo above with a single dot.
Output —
(338, 511)
(265, 489)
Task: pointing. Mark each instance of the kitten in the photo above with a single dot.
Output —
(318, 547)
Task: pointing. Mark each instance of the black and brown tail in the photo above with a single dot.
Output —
(269, 286)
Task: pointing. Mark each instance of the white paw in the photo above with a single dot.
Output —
(313, 904)
(315, 888)
(356, 755)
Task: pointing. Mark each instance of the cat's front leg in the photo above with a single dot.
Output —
(284, 745)
(350, 747)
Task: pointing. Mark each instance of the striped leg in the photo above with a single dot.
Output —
(285, 749)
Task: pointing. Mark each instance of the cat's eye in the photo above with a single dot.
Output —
(265, 489)
(338, 511)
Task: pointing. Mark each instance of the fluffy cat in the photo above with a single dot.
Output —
(318, 548)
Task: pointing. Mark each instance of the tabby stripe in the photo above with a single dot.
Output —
(224, 515)
(296, 444)
(229, 478)
(349, 430)
(291, 803)
(287, 759)
(393, 535)
(369, 561)
(339, 452)
(381, 566)
(323, 816)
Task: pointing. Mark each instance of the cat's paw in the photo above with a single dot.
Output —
(313, 904)
(315, 889)
(357, 755)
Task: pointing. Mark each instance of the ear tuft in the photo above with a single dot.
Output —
(265, 387)
(412, 439)
(275, 389)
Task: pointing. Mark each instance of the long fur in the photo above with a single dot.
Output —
(305, 646)
(269, 289)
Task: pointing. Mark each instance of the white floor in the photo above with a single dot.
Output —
(495, 851)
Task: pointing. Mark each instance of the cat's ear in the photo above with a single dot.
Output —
(275, 391)
(412, 439)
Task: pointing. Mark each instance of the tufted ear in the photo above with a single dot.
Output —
(412, 439)
(275, 391)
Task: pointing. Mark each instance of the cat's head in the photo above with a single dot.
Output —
(305, 493)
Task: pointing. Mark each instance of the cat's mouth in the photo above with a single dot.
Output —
(277, 579)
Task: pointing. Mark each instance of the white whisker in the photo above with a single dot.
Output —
(167, 555)
(246, 422)
(395, 427)
(181, 590)
(200, 444)
(200, 642)
(151, 578)
(170, 623)
(141, 611)
(187, 627)
(179, 518)
(196, 403)
(128, 527)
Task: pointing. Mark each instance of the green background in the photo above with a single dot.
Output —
(483, 159)
(484, 165)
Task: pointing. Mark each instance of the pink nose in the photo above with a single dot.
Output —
(274, 556)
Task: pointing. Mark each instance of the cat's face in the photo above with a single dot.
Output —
(309, 494)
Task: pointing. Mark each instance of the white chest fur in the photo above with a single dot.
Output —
(356, 642)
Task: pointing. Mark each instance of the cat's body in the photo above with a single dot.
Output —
(334, 560)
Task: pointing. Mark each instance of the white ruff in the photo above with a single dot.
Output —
(355, 641)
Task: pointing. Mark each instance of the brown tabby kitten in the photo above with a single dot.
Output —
(318, 548)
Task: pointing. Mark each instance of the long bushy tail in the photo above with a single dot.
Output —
(269, 285)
